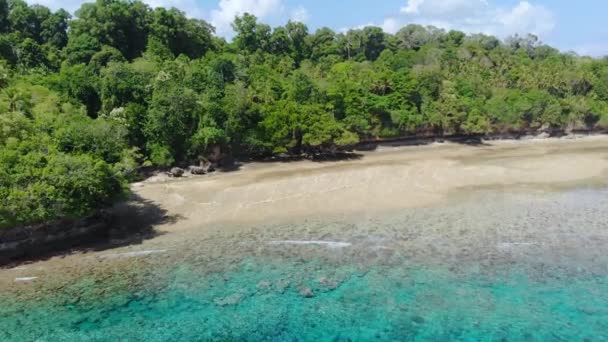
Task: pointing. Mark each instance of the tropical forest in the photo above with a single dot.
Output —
(88, 99)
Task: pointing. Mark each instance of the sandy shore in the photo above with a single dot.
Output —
(293, 204)
(388, 179)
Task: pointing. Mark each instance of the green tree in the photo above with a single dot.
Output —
(180, 35)
(80, 83)
(297, 35)
(116, 23)
(374, 42)
(54, 29)
(247, 38)
(124, 83)
(81, 48)
(30, 55)
(172, 119)
(323, 43)
(5, 25)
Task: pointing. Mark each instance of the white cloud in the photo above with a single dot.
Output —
(592, 49)
(300, 14)
(227, 10)
(412, 6)
(221, 17)
(476, 16)
(192, 8)
(443, 7)
(68, 5)
(527, 18)
(391, 25)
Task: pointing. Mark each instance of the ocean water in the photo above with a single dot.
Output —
(488, 267)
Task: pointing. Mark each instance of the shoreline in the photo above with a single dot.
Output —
(383, 180)
(398, 145)
(373, 145)
(369, 147)
(523, 135)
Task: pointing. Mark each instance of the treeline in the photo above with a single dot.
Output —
(86, 100)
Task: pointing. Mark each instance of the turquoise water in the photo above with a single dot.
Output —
(432, 274)
(379, 304)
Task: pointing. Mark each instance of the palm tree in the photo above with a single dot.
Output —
(18, 100)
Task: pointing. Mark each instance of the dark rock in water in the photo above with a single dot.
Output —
(306, 292)
(197, 170)
(176, 172)
(418, 320)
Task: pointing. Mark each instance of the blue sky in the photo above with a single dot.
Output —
(577, 26)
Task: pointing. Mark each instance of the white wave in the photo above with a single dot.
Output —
(508, 245)
(330, 244)
(24, 279)
(134, 254)
(18, 268)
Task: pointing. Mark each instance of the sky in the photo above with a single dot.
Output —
(570, 26)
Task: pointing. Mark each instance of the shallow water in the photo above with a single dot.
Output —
(483, 266)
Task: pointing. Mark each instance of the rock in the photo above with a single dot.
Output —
(264, 285)
(197, 170)
(305, 292)
(206, 165)
(328, 283)
(230, 300)
(543, 135)
(282, 285)
(176, 172)
(418, 319)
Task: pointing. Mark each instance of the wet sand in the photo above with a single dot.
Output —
(384, 180)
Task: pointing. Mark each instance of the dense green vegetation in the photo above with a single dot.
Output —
(85, 100)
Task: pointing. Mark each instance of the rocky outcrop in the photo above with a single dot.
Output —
(207, 165)
(176, 172)
(305, 292)
(197, 170)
